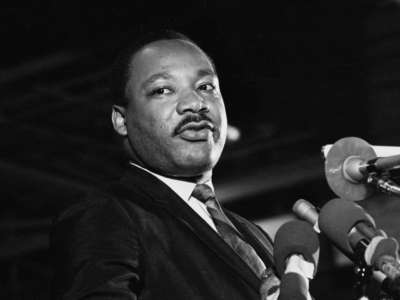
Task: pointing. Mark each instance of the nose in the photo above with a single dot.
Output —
(192, 102)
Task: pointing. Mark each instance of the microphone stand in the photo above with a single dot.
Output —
(383, 183)
(390, 289)
(363, 274)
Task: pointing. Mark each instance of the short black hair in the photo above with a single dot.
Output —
(120, 70)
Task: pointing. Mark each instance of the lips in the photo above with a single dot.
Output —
(196, 131)
(196, 126)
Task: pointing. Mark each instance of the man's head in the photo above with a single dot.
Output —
(173, 119)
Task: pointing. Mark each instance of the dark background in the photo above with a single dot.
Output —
(295, 75)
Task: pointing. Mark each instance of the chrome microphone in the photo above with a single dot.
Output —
(351, 168)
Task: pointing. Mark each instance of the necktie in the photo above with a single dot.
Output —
(228, 232)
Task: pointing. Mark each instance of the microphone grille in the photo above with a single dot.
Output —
(295, 237)
(337, 218)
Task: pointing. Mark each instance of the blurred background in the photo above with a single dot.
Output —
(295, 75)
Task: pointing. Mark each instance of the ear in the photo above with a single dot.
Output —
(118, 119)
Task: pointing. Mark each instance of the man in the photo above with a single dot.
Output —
(152, 235)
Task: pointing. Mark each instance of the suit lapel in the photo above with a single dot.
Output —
(169, 201)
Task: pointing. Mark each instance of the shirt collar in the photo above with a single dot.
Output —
(182, 188)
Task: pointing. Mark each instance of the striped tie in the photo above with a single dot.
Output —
(233, 238)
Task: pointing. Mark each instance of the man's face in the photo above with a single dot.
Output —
(175, 120)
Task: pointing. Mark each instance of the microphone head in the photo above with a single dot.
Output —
(295, 237)
(337, 168)
(305, 211)
(293, 287)
(337, 218)
(388, 247)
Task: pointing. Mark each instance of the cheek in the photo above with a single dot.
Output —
(157, 121)
(165, 116)
(220, 113)
(218, 106)
(161, 126)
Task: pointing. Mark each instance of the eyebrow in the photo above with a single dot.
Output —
(206, 72)
(166, 76)
(155, 77)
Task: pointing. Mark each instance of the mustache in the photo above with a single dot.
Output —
(198, 118)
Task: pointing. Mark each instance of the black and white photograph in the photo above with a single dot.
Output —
(200, 150)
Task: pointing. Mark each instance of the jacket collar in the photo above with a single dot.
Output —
(159, 194)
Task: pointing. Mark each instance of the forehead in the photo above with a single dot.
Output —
(167, 55)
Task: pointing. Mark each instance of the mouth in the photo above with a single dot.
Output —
(200, 131)
(196, 126)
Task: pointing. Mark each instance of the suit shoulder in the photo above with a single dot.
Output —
(95, 230)
(95, 225)
(94, 202)
(110, 199)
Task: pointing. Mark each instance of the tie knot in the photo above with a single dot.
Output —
(203, 193)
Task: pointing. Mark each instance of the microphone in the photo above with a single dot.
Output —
(347, 225)
(355, 228)
(382, 253)
(293, 287)
(296, 251)
(307, 212)
(357, 169)
(355, 231)
(378, 250)
(386, 157)
(349, 164)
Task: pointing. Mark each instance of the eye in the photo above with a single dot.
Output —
(160, 91)
(207, 87)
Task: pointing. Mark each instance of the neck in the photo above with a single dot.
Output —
(198, 179)
(135, 158)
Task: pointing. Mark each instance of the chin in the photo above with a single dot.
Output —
(194, 161)
(194, 167)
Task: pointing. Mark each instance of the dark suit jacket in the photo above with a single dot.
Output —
(139, 240)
